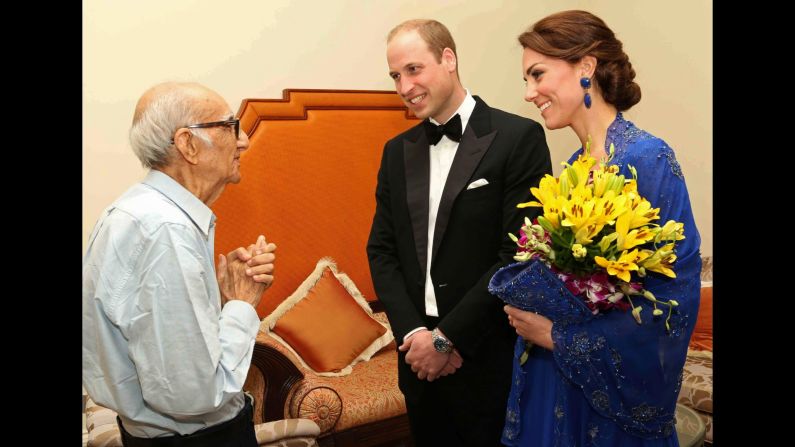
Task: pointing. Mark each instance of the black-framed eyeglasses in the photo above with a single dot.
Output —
(233, 122)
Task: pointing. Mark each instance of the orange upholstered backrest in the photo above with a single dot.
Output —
(701, 339)
(309, 180)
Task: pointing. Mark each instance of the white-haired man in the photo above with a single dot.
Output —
(167, 341)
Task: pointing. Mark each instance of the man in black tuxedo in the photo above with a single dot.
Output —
(445, 203)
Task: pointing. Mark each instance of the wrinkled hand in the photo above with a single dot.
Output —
(261, 261)
(237, 285)
(224, 284)
(424, 359)
(533, 327)
(245, 273)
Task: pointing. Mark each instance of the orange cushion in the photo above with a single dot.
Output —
(326, 325)
(702, 334)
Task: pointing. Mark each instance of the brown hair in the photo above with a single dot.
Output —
(571, 35)
(436, 35)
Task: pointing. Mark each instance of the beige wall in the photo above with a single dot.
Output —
(254, 49)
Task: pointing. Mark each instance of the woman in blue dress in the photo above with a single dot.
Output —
(608, 381)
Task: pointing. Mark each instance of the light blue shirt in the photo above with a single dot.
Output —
(157, 347)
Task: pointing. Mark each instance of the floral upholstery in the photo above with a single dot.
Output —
(287, 433)
(103, 431)
(689, 427)
(101, 425)
(706, 268)
(696, 391)
(367, 395)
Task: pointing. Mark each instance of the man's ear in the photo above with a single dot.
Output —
(449, 60)
(587, 66)
(183, 141)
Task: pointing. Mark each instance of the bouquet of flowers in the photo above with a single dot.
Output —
(591, 248)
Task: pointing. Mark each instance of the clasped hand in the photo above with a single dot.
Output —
(245, 273)
(426, 361)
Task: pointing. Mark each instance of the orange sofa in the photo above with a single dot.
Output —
(308, 184)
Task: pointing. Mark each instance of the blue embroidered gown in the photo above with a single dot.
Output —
(610, 381)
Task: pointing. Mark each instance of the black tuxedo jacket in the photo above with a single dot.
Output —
(470, 243)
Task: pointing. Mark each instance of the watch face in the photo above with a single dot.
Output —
(440, 345)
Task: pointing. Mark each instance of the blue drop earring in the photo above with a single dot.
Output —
(586, 84)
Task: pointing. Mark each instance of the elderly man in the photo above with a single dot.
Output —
(167, 342)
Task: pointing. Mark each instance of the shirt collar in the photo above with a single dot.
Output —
(465, 110)
(199, 213)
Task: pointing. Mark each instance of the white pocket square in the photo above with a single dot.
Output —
(478, 183)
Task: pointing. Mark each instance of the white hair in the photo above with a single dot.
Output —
(174, 106)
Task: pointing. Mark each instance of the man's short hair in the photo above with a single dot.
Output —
(436, 35)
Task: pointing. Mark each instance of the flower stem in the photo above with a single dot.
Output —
(523, 358)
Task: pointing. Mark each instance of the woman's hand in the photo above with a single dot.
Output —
(533, 327)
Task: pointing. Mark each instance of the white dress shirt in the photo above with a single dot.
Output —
(442, 155)
(157, 348)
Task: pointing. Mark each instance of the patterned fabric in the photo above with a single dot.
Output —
(609, 380)
(101, 425)
(534, 287)
(696, 391)
(706, 268)
(370, 393)
(318, 403)
(103, 431)
(287, 433)
(689, 427)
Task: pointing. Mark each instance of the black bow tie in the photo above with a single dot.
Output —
(452, 128)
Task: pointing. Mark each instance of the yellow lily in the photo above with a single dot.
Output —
(625, 264)
(577, 172)
(586, 233)
(602, 178)
(662, 261)
(577, 211)
(643, 213)
(630, 187)
(671, 231)
(609, 207)
(637, 237)
(548, 189)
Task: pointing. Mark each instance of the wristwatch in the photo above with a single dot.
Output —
(440, 343)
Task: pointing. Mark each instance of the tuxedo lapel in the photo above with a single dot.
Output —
(467, 157)
(417, 165)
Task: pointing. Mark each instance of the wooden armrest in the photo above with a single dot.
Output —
(280, 376)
